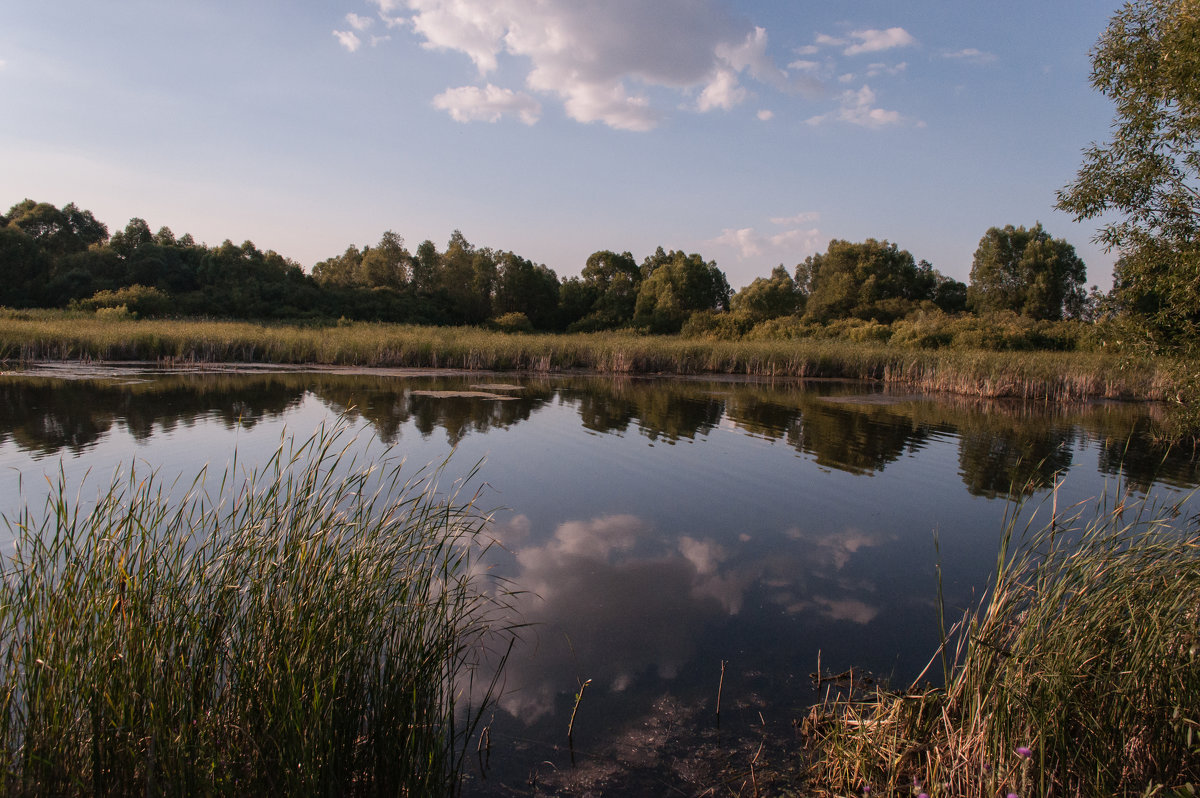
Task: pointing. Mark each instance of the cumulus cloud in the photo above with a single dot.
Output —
(766, 115)
(489, 104)
(872, 41)
(971, 56)
(359, 23)
(602, 59)
(348, 39)
(862, 41)
(795, 241)
(858, 108)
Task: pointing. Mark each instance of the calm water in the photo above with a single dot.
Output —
(657, 527)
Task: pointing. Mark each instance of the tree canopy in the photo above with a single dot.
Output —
(1148, 174)
(1028, 272)
(868, 280)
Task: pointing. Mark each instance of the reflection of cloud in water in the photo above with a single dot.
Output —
(608, 600)
(601, 612)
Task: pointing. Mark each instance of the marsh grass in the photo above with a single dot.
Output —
(1050, 376)
(1077, 676)
(306, 631)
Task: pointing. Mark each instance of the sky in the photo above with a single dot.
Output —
(752, 133)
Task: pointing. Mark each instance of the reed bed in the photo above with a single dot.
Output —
(1077, 676)
(1049, 376)
(307, 631)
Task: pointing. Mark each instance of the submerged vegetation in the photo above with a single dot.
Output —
(309, 631)
(1079, 674)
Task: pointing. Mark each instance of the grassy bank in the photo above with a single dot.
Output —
(305, 631)
(1078, 676)
(1053, 376)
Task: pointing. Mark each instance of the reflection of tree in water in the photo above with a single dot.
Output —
(1141, 461)
(1002, 455)
(663, 409)
(855, 438)
(49, 416)
(387, 403)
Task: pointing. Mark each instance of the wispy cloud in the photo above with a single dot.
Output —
(971, 56)
(348, 39)
(858, 42)
(489, 104)
(858, 108)
(766, 115)
(360, 24)
(795, 241)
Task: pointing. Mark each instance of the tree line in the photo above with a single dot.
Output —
(54, 257)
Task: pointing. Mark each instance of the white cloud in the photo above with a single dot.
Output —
(601, 59)
(360, 24)
(791, 243)
(875, 70)
(800, 218)
(873, 41)
(766, 115)
(489, 104)
(805, 66)
(348, 39)
(858, 108)
(971, 55)
(862, 41)
(723, 92)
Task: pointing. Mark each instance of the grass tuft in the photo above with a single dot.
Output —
(307, 632)
(1077, 676)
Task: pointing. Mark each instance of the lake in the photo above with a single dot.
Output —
(672, 539)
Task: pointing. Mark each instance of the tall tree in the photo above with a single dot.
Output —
(867, 280)
(769, 297)
(1148, 174)
(1028, 272)
(676, 285)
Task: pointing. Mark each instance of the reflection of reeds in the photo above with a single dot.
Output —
(306, 634)
(1054, 376)
(1078, 675)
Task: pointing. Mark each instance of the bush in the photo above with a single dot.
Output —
(139, 300)
(515, 322)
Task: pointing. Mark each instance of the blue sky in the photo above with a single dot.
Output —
(752, 133)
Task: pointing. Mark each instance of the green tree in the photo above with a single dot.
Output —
(1028, 272)
(1148, 174)
(868, 280)
(676, 285)
(615, 280)
(386, 265)
(769, 297)
(523, 288)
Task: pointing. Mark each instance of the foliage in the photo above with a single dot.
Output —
(674, 286)
(769, 297)
(1077, 675)
(136, 299)
(512, 323)
(1027, 272)
(1148, 173)
(307, 631)
(872, 280)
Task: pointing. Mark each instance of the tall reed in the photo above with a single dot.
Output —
(1077, 676)
(1051, 376)
(306, 630)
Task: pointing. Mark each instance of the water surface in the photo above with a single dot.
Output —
(655, 529)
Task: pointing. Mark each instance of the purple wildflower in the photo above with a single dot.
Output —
(1024, 752)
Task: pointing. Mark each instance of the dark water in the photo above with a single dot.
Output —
(658, 529)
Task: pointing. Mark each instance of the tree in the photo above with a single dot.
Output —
(1147, 62)
(674, 286)
(1027, 272)
(769, 297)
(868, 280)
(615, 280)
